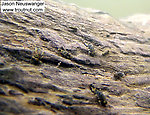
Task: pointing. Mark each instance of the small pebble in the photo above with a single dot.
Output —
(14, 93)
(118, 75)
(2, 92)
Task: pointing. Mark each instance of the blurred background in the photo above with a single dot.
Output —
(116, 8)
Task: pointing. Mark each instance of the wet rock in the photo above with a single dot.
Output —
(58, 53)
(65, 96)
(37, 101)
(37, 90)
(143, 99)
(88, 110)
(68, 102)
(81, 97)
(147, 88)
(147, 60)
(112, 87)
(14, 93)
(54, 59)
(7, 22)
(117, 90)
(19, 86)
(41, 87)
(54, 88)
(81, 87)
(42, 102)
(18, 53)
(85, 60)
(72, 29)
(138, 80)
(74, 102)
(10, 106)
(76, 90)
(130, 49)
(57, 106)
(10, 73)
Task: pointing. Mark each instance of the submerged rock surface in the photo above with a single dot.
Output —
(48, 60)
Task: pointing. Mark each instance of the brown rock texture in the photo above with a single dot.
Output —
(48, 61)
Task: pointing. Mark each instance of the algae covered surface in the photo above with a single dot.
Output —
(68, 60)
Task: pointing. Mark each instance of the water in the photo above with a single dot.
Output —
(117, 8)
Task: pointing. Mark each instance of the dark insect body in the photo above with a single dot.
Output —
(101, 99)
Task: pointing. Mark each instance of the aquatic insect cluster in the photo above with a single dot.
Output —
(99, 95)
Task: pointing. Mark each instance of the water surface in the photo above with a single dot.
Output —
(117, 8)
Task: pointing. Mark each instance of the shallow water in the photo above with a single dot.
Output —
(117, 8)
